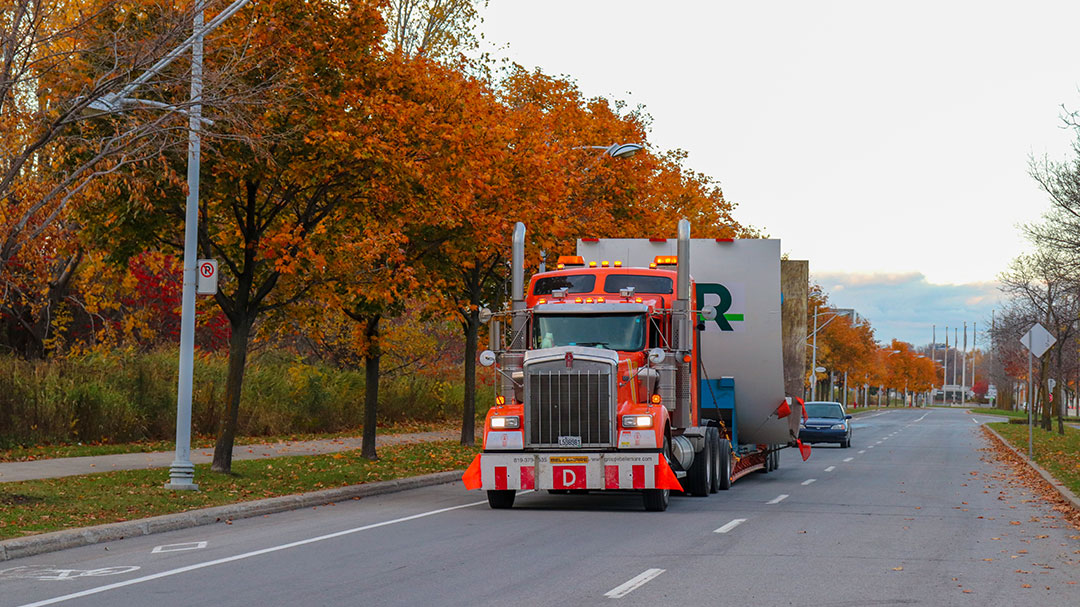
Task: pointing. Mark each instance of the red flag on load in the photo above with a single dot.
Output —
(471, 478)
(804, 450)
(803, 405)
(783, 410)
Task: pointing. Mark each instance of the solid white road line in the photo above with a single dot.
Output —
(848, 459)
(624, 589)
(921, 418)
(778, 499)
(808, 481)
(246, 555)
(729, 526)
(831, 468)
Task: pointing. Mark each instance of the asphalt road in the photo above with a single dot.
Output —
(912, 514)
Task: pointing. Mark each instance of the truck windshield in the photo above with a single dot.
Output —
(623, 332)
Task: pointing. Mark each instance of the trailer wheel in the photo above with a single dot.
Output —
(501, 499)
(713, 437)
(725, 464)
(701, 470)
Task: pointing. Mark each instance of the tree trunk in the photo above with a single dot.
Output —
(238, 348)
(468, 415)
(1059, 404)
(371, 387)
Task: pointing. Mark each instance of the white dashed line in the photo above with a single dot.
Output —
(863, 451)
(870, 447)
(831, 468)
(729, 526)
(640, 580)
(808, 481)
(974, 420)
(778, 499)
(848, 459)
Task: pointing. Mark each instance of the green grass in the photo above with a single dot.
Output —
(1057, 454)
(1005, 412)
(36, 452)
(30, 507)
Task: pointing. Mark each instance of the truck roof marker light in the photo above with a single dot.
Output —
(617, 264)
(500, 400)
(588, 300)
(592, 264)
(656, 400)
(599, 300)
(652, 265)
(637, 300)
(603, 264)
(577, 300)
(666, 260)
(542, 301)
(570, 260)
(559, 266)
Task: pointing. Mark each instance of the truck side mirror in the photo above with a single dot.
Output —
(708, 313)
(487, 358)
(485, 315)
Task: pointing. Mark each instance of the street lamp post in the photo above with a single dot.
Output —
(838, 312)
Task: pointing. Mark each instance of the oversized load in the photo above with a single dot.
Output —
(644, 364)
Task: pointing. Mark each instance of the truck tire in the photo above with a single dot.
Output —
(713, 436)
(500, 499)
(656, 500)
(725, 464)
(701, 470)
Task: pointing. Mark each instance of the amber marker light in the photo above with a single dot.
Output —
(588, 300)
(618, 264)
(592, 264)
(500, 400)
(656, 399)
(577, 300)
(603, 264)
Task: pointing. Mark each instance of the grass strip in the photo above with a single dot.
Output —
(1057, 454)
(36, 452)
(39, 506)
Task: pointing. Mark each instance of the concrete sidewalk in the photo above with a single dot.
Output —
(73, 466)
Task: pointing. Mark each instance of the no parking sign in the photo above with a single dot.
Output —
(208, 274)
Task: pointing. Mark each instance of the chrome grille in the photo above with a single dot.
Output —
(568, 403)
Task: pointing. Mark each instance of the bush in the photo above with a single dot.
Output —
(125, 395)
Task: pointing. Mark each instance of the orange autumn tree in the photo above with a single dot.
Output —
(267, 197)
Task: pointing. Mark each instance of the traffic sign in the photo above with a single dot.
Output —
(1038, 340)
(819, 369)
(208, 275)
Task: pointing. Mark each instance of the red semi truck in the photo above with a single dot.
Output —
(621, 372)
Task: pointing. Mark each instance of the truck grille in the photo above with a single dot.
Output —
(568, 404)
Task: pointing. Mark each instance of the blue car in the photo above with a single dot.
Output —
(825, 422)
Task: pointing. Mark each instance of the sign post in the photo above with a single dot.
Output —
(1037, 340)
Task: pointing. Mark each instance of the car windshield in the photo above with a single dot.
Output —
(623, 332)
(829, 410)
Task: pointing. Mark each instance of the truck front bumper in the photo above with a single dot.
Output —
(590, 470)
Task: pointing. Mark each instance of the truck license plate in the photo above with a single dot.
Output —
(569, 441)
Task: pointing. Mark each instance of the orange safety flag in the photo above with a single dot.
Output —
(471, 478)
(783, 410)
(665, 478)
(803, 405)
(804, 450)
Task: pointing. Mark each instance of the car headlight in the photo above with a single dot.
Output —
(637, 421)
(505, 422)
(838, 426)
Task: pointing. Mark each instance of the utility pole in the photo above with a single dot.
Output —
(933, 354)
(963, 368)
(945, 373)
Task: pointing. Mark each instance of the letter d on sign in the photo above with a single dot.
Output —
(569, 477)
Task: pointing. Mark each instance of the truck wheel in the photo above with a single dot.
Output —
(656, 500)
(725, 464)
(701, 470)
(713, 436)
(501, 498)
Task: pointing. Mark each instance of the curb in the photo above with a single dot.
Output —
(1055, 483)
(84, 536)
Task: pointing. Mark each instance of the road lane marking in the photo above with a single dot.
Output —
(848, 459)
(974, 420)
(869, 446)
(178, 547)
(921, 418)
(238, 557)
(640, 580)
(778, 499)
(808, 481)
(831, 468)
(729, 526)
(863, 451)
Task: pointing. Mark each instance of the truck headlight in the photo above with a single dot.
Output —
(838, 426)
(637, 421)
(505, 422)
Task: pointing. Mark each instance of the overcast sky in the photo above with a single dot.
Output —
(887, 143)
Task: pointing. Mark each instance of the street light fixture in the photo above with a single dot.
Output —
(838, 312)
